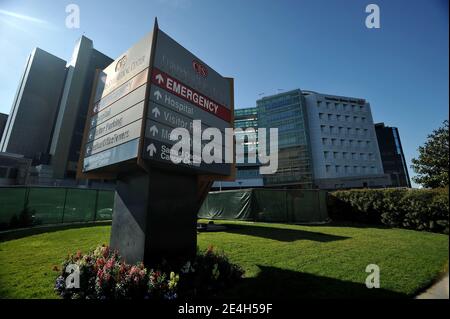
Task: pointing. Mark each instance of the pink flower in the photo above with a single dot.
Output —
(100, 262)
(110, 263)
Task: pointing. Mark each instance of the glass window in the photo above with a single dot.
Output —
(13, 173)
(3, 172)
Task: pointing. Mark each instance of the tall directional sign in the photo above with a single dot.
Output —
(150, 90)
(114, 124)
(142, 96)
(184, 89)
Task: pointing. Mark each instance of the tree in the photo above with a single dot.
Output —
(433, 162)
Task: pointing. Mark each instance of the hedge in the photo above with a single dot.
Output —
(418, 209)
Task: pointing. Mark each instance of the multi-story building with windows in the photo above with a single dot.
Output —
(247, 173)
(48, 114)
(69, 125)
(344, 145)
(392, 156)
(3, 120)
(29, 126)
(325, 141)
(287, 112)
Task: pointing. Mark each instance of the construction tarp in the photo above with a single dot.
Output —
(266, 205)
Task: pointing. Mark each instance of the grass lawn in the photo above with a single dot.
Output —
(281, 261)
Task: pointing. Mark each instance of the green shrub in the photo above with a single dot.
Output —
(419, 209)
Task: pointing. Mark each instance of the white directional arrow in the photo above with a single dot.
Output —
(151, 149)
(156, 112)
(90, 136)
(159, 78)
(158, 95)
(154, 130)
(88, 150)
(96, 108)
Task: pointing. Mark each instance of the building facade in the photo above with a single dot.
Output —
(3, 120)
(69, 125)
(344, 145)
(325, 141)
(287, 112)
(392, 156)
(47, 118)
(247, 173)
(14, 169)
(29, 127)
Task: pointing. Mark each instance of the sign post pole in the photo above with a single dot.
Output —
(149, 225)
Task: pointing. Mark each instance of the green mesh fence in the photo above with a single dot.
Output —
(12, 203)
(266, 205)
(31, 206)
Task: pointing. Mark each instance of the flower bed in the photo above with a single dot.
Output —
(102, 274)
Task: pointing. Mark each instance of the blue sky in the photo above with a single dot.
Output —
(401, 68)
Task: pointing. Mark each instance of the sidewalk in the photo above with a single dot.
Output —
(438, 291)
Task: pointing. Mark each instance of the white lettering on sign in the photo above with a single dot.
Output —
(130, 115)
(115, 138)
(180, 89)
(172, 85)
(132, 62)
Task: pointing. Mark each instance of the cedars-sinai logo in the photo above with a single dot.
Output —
(121, 63)
(200, 68)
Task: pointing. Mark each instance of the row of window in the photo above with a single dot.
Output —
(341, 106)
(248, 173)
(10, 172)
(245, 124)
(342, 118)
(348, 156)
(292, 140)
(331, 129)
(347, 169)
(283, 115)
(346, 143)
(271, 103)
(306, 170)
(246, 111)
